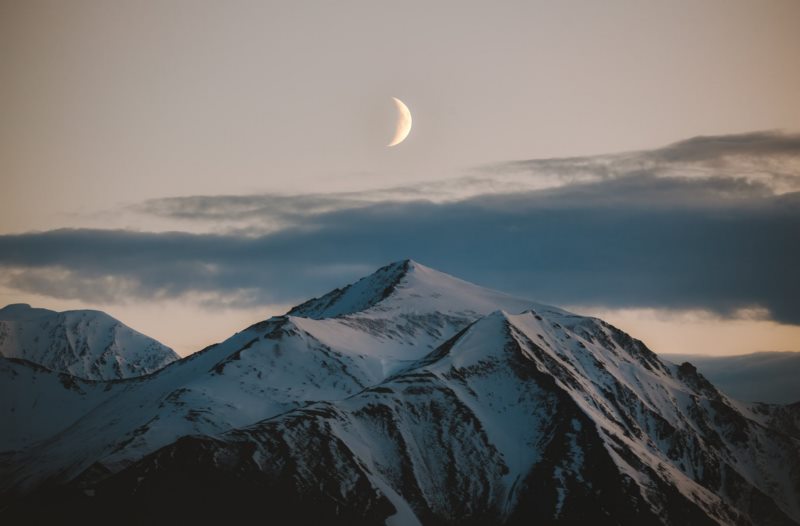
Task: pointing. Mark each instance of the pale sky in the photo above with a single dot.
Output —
(106, 108)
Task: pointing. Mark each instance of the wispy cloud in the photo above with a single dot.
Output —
(756, 145)
(768, 158)
(730, 166)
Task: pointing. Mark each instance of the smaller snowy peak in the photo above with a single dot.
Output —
(88, 344)
(476, 343)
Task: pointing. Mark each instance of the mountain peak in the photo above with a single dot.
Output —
(410, 287)
(89, 344)
(516, 411)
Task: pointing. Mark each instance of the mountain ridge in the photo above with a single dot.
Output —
(439, 403)
(88, 344)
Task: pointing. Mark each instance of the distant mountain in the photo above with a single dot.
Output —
(771, 377)
(84, 343)
(412, 397)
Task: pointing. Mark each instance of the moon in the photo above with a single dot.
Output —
(403, 123)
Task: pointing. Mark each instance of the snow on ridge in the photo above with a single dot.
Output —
(88, 344)
(355, 297)
(412, 288)
(386, 360)
(630, 397)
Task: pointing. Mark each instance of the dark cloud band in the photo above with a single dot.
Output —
(635, 241)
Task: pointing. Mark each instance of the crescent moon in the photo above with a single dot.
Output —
(403, 122)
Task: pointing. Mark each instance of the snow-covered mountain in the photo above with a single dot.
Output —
(84, 343)
(270, 368)
(36, 402)
(412, 397)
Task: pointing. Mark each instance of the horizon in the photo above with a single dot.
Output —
(183, 353)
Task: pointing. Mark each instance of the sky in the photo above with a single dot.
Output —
(193, 167)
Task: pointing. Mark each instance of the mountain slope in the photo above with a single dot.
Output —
(770, 377)
(36, 402)
(421, 408)
(84, 343)
(267, 369)
(564, 420)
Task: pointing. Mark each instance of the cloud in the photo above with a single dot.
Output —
(769, 158)
(639, 241)
(714, 148)
(248, 214)
(730, 166)
(709, 223)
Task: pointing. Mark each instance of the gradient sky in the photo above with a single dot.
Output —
(217, 162)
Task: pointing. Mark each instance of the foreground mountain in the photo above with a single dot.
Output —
(770, 377)
(84, 343)
(36, 402)
(267, 369)
(412, 397)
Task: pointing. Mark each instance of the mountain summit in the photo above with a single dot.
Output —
(412, 397)
(408, 286)
(88, 344)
